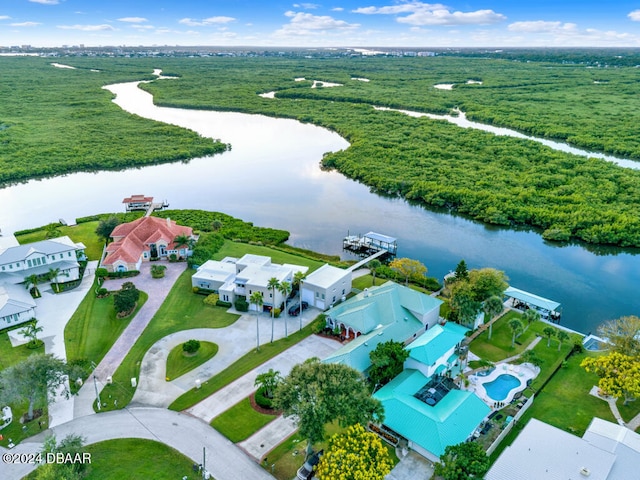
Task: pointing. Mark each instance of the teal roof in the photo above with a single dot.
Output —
(429, 347)
(451, 421)
(380, 314)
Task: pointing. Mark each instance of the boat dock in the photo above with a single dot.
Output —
(371, 244)
(140, 202)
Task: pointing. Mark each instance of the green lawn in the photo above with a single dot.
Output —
(181, 310)
(83, 232)
(366, 281)
(178, 363)
(240, 367)
(94, 327)
(135, 458)
(236, 249)
(10, 355)
(240, 421)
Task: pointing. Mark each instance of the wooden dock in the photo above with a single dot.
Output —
(370, 244)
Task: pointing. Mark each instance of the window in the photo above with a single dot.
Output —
(10, 266)
(68, 254)
(29, 263)
(61, 256)
(44, 260)
(343, 291)
(334, 299)
(323, 296)
(317, 294)
(3, 268)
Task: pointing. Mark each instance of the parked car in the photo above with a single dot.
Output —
(294, 310)
(305, 472)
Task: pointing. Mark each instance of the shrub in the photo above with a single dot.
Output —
(261, 398)
(276, 312)
(241, 305)
(195, 289)
(191, 346)
(102, 292)
(157, 271)
(124, 300)
(173, 258)
(222, 303)
(212, 299)
(101, 272)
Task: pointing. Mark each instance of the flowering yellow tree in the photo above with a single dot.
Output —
(619, 374)
(354, 455)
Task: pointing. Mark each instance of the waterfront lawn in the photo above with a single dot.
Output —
(10, 355)
(499, 347)
(181, 310)
(241, 421)
(94, 327)
(236, 249)
(366, 281)
(551, 359)
(565, 402)
(178, 363)
(83, 232)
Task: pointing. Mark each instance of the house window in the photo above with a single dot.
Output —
(44, 260)
(10, 266)
(250, 292)
(29, 263)
(323, 296)
(334, 299)
(3, 268)
(68, 254)
(343, 291)
(317, 294)
(61, 256)
(271, 295)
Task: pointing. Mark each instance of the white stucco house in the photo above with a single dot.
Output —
(16, 305)
(326, 286)
(233, 277)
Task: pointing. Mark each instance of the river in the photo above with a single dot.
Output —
(272, 177)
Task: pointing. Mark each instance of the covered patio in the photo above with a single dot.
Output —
(522, 301)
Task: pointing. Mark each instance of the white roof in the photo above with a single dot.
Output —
(216, 271)
(543, 452)
(619, 440)
(259, 275)
(251, 259)
(14, 299)
(532, 299)
(7, 241)
(326, 276)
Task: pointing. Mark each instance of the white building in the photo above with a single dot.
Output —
(326, 286)
(16, 305)
(232, 277)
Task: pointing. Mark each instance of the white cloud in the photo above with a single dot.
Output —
(540, 26)
(302, 23)
(306, 6)
(46, 2)
(337, 9)
(420, 13)
(142, 27)
(25, 24)
(4, 17)
(635, 15)
(206, 21)
(87, 28)
(133, 19)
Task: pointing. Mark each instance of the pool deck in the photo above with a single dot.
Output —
(523, 372)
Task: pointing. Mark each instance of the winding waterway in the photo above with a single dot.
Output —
(272, 177)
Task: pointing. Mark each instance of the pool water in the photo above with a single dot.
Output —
(501, 386)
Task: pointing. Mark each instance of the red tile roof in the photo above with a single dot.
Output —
(133, 238)
(137, 199)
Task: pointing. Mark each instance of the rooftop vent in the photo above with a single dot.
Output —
(585, 472)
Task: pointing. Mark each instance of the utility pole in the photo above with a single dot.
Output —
(95, 384)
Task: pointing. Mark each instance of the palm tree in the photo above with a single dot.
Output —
(268, 381)
(183, 241)
(31, 331)
(517, 328)
(297, 280)
(492, 307)
(33, 279)
(257, 300)
(562, 336)
(530, 316)
(53, 275)
(273, 284)
(373, 265)
(285, 289)
(549, 332)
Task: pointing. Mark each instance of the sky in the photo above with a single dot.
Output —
(338, 23)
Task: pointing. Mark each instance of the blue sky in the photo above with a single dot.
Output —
(348, 23)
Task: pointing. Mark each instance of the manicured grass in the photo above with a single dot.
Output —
(236, 249)
(178, 363)
(10, 355)
(366, 281)
(629, 411)
(565, 402)
(241, 421)
(240, 367)
(94, 327)
(83, 232)
(16, 431)
(181, 310)
(135, 458)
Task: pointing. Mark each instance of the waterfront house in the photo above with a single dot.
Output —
(326, 286)
(142, 240)
(16, 305)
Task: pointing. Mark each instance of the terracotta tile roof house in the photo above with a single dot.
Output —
(137, 241)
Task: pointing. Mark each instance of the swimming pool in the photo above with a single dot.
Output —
(501, 386)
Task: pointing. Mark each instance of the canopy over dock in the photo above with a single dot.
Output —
(370, 243)
(548, 309)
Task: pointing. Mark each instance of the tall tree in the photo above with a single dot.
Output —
(52, 275)
(461, 272)
(298, 277)
(269, 381)
(285, 290)
(492, 306)
(183, 241)
(562, 336)
(105, 227)
(31, 331)
(273, 284)
(373, 268)
(316, 393)
(530, 316)
(125, 299)
(619, 374)
(386, 362)
(35, 379)
(70, 445)
(216, 225)
(354, 454)
(549, 332)
(623, 333)
(530, 356)
(464, 461)
(257, 300)
(464, 304)
(408, 268)
(516, 329)
(487, 282)
(31, 284)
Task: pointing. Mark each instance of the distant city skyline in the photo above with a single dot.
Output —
(339, 23)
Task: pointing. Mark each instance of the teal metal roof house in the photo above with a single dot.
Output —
(377, 315)
(427, 414)
(435, 350)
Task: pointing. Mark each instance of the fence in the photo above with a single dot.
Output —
(510, 425)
